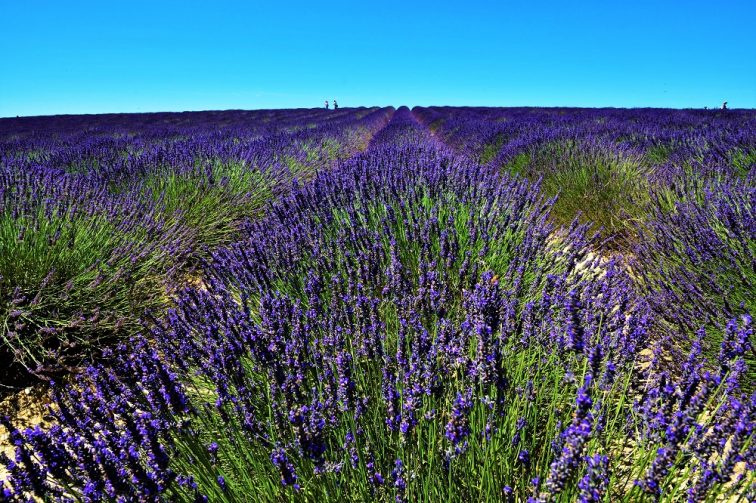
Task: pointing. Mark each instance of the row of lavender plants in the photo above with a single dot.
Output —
(707, 140)
(603, 162)
(407, 327)
(675, 189)
(102, 216)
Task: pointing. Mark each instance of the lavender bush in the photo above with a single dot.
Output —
(699, 255)
(77, 267)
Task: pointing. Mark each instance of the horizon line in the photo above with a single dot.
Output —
(562, 107)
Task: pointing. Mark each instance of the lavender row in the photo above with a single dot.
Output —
(708, 140)
(98, 225)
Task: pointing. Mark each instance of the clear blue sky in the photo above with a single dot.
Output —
(131, 56)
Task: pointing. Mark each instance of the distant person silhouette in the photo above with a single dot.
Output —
(724, 105)
(326, 103)
(335, 105)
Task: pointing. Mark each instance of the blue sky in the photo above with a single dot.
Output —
(134, 56)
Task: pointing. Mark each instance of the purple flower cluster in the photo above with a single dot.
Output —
(110, 438)
(573, 442)
(594, 484)
(673, 414)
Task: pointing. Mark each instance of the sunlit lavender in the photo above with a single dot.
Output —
(436, 304)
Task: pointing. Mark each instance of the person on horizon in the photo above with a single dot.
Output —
(335, 105)
(724, 105)
(326, 104)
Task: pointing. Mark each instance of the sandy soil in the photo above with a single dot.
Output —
(26, 409)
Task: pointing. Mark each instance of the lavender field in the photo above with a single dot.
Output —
(378, 304)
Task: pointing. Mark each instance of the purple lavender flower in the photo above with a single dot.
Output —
(399, 482)
(524, 457)
(288, 474)
(595, 482)
(573, 441)
(458, 427)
